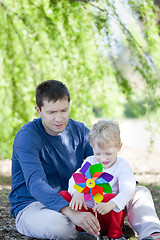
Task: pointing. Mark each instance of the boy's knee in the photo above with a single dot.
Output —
(107, 197)
(66, 195)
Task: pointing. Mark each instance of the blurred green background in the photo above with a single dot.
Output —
(107, 52)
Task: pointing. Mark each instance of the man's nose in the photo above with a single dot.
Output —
(58, 117)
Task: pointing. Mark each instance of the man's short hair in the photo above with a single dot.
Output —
(105, 133)
(51, 90)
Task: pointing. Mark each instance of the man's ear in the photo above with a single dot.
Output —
(120, 146)
(38, 110)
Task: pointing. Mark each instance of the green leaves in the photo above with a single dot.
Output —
(79, 43)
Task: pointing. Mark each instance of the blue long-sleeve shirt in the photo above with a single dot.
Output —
(42, 164)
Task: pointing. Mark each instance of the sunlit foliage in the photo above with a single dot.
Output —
(76, 42)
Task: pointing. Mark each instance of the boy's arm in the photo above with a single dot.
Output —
(127, 185)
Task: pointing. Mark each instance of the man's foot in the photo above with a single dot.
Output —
(154, 236)
(120, 238)
(86, 236)
(128, 230)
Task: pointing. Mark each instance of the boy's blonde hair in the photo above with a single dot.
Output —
(105, 132)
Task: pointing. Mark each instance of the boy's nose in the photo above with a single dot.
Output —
(103, 158)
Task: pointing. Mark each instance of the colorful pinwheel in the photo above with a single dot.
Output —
(92, 181)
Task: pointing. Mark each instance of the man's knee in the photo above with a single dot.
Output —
(142, 191)
(62, 228)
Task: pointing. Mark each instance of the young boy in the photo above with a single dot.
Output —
(106, 143)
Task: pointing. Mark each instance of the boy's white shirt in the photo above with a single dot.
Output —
(123, 183)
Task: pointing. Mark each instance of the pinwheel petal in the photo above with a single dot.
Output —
(94, 191)
(83, 185)
(78, 188)
(98, 189)
(87, 196)
(96, 175)
(95, 168)
(91, 193)
(100, 181)
(85, 168)
(87, 174)
(98, 198)
(79, 178)
(106, 187)
(108, 177)
(85, 190)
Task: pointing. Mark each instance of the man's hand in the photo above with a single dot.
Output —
(85, 220)
(77, 201)
(104, 208)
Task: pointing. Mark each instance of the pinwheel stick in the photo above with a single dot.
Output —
(96, 217)
(92, 182)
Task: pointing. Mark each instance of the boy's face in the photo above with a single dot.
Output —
(54, 116)
(106, 156)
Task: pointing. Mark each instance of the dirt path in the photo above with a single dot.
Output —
(137, 146)
(137, 149)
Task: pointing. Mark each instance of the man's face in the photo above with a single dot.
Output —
(54, 116)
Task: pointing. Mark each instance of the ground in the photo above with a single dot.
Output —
(135, 149)
(7, 224)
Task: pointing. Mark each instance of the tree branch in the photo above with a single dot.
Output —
(117, 20)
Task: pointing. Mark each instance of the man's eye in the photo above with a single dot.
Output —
(64, 110)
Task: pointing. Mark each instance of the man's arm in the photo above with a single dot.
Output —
(85, 220)
(26, 154)
(88, 151)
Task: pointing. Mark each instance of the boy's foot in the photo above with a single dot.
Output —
(120, 238)
(154, 236)
(86, 236)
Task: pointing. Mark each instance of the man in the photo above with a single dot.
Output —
(46, 152)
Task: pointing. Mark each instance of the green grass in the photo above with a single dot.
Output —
(5, 180)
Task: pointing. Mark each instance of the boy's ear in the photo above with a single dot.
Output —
(38, 110)
(120, 146)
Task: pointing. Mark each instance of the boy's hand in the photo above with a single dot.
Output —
(77, 201)
(104, 208)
